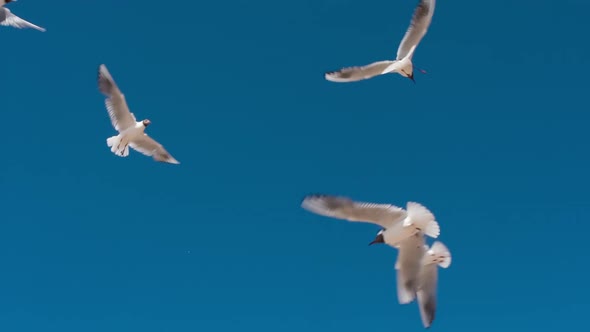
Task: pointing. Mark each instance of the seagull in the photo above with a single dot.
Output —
(131, 132)
(438, 254)
(403, 62)
(398, 224)
(7, 18)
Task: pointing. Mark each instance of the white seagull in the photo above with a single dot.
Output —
(131, 132)
(7, 18)
(403, 62)
(439, 255)
(398, 224)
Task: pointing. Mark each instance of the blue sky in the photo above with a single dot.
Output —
(493, 140)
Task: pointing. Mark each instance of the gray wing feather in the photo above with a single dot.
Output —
(418, 27)
(357, 73)
(408, 266)
(116, 105)
(9, 19)
(150, 147)
(427, 293)
(338, 207)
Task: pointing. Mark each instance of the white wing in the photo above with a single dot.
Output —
(9, 19)
(418, 27)
(121, 117)
(338, 207)
(351, 74)
(150, 147)
(408, 265)
(427, 293)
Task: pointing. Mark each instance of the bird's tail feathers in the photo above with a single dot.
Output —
(422, 218)
(121, 150)
(112, 140)
(439, 254)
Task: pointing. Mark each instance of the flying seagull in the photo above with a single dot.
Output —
(398, 224)
(439, 255)
(403, 62)
(131, 132)
(7, 18)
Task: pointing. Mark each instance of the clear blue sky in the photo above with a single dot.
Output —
(494, 140)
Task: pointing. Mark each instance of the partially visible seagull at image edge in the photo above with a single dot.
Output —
(403, 62)
(7, 18)
(131, 132)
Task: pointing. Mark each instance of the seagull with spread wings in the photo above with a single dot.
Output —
(131, 132)
(7, 18)
(403, 62)
(398, 224)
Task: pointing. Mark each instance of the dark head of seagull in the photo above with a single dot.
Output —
(379, 238)
(146, 122)
(410, 75)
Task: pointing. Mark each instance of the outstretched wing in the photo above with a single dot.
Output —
(351, 74)
(408, 266)
(150, 147)
(121, 117)
(9, 19)
(417, 29)
(338, 207)
(427, 293)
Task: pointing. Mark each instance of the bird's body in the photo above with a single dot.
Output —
(398, 224)
(120, 143)
(410, 226)
(131, 132)
(7, 18)
(403, 62)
